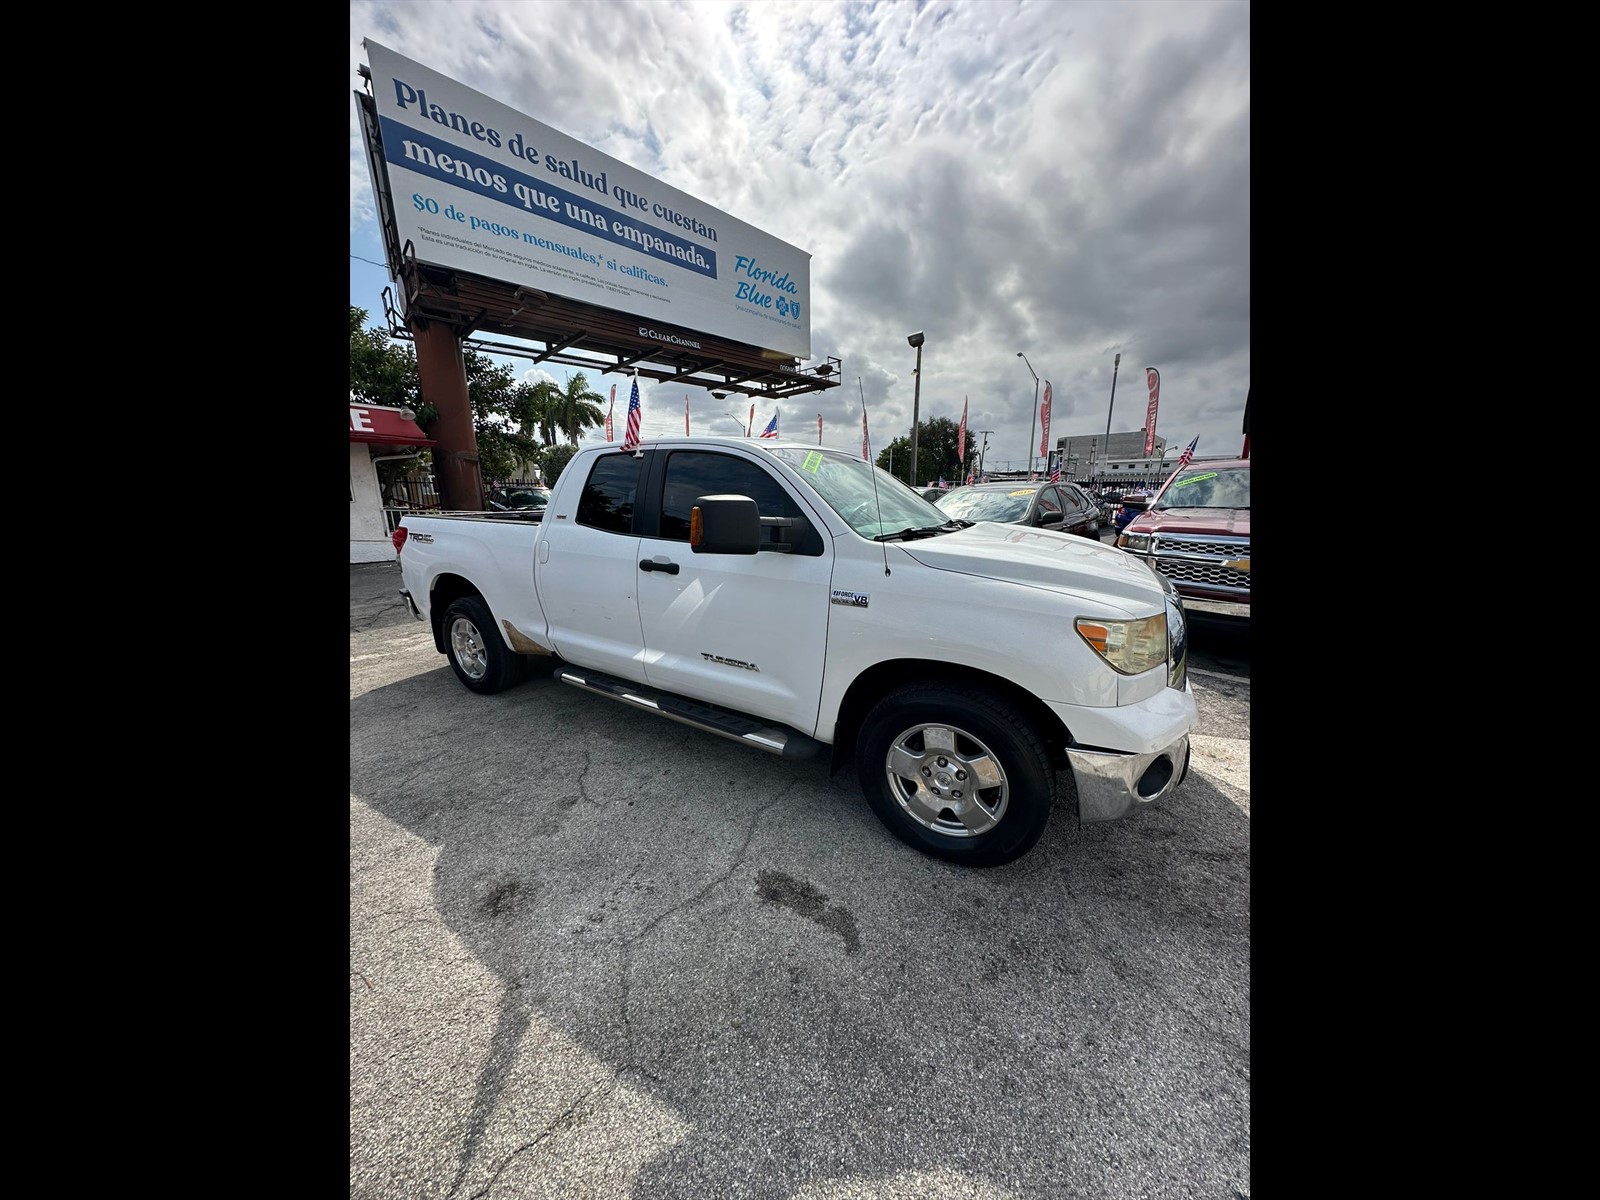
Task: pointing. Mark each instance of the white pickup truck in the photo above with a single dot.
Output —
(792, 597)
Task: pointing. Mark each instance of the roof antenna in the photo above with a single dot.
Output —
(873, 470)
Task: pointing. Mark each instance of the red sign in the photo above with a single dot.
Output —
(384, 427)
(1044, 422)
(1153, 378)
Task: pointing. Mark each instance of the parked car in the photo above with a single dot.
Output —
(1063, 506)
(933, 493)
(518, 499)
(1197, 534)
(1107, 502)
(1129, 507)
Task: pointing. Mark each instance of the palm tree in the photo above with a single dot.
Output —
(536, 410)
(577, 408)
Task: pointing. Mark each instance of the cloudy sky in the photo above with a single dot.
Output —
(1070, 180)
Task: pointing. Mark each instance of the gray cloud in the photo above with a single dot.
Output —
(1067, 179)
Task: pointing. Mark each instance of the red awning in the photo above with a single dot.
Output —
(384, 427)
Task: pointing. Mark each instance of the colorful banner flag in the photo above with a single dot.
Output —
(686, 414)
(866, 453)
(611, 410)
(1044, 421)
(749, 426)
(819, 429)
(771, 430)
(631, 438)
(1153, 378)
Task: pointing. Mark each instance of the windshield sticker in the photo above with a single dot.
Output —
(1194, 479)
(812, 462)
(1023, 492)
(854, 599)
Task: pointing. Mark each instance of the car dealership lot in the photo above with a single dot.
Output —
(595, 952)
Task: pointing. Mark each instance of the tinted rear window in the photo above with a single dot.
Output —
(608, 496)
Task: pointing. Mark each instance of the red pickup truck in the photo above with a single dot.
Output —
(1196, 532)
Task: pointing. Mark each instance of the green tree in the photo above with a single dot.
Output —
(577, 408)
(555, 461)
(501, 404)
(936, 453)
(504, 409)
(381, 372)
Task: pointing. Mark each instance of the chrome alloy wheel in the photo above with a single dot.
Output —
(946, 780)
(466, 643)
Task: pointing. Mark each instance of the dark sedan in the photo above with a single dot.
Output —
(1046, 505)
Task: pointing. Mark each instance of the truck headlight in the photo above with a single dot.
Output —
(1134, 541)
(1131, 647)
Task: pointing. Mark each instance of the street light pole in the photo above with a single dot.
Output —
(1034, 416)
(983, 450)
(1115, 363)
(916, 339)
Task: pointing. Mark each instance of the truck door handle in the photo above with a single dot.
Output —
(650, 564)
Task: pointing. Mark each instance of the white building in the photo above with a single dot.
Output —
(377, 433)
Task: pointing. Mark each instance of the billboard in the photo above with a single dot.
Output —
(482, 188)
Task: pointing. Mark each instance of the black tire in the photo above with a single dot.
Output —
(909, 739)
(476, 651)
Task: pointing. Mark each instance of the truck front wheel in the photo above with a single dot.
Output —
(477, 654)
(956, 773)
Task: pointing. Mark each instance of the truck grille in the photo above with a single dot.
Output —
(1181, 570)
(1198, 560)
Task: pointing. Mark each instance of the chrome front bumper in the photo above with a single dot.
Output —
(1111, 784)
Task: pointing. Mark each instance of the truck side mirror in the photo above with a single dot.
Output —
(724, 525)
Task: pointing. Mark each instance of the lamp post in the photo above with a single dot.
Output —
(1115, 363)
(1034, 417)
(916, 339)
(983, 450)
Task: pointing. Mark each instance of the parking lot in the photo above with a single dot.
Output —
(595, 953)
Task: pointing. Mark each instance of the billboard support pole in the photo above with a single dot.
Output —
(442, 379)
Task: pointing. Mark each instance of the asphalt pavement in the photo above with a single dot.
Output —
(595, 953)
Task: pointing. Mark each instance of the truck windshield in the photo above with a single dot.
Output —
(870, 500)
(1207, 487)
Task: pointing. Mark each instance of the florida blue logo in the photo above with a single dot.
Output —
(788, 308)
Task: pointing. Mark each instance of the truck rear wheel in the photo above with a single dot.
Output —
(476, 652)
(956, 773)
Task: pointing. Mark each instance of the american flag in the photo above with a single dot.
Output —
(1055, 472)
(631, 438)
(611, 410)
(1188, 454)
(686, 414)
(961, 435)
(771, 430)
(866, 452)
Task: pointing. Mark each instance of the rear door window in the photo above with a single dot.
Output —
(608, 497)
